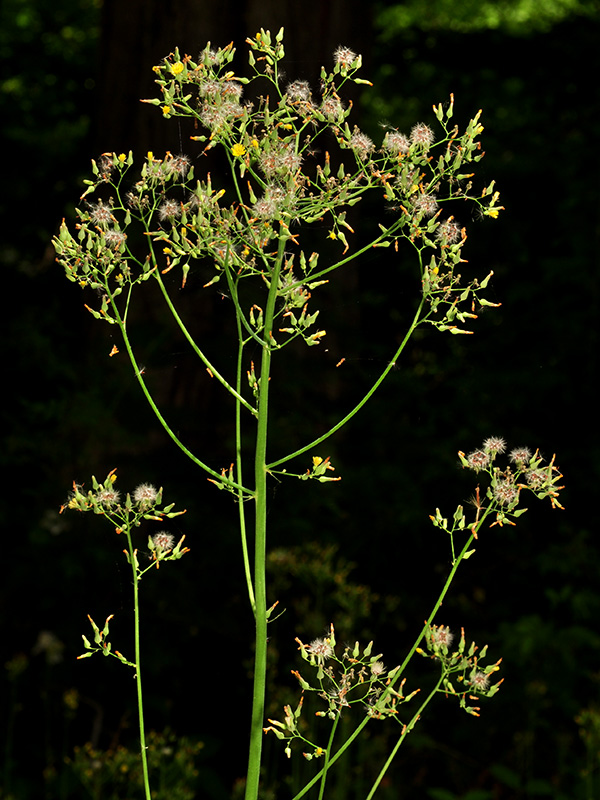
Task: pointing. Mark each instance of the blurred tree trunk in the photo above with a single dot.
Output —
(138, 34)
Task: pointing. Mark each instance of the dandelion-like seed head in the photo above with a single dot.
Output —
(422, 134)
(494, 445)
(536, 478)
(361, 143)
(170, 210)
(108, 497)
(332, 108)
(101, 215)
(505, 492)
(479, 681)
(344, 57)
(321, 649)
(233, 91)
(478, 460)
(298, 91)
(145, 495)
(114, 239)
(441, 636)
(163, 541)
(426, 204)
(520, 455)
(177, 166)
(448, 232)
(396, 142)
(377, 669)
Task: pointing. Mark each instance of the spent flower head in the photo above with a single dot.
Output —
(321, 649)
(108, 497)
(520, 456)
(422, 134)
(344, 57)
(478, 460)
(163, 541)
(145, 495)
(494, 445)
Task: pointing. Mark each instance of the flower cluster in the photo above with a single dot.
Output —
(461, 672)
(354, 679)
(526, 470)
(283, 173)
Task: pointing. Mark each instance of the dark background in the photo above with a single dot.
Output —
(361, 552)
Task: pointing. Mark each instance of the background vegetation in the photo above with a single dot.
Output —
(361, 552)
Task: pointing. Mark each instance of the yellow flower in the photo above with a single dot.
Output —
(166, 110)
(492, 212)
(317, 460)
(238, 149)
(122, 158)
(176, 68)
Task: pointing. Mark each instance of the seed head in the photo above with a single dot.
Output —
(298, 91)
(479, 680)
(448, 232)
(344, 57)
(441, 636)
(478, 460)
(177, 166)
(101, 215)
(114, 239)
(361, 144)
(520, 455)
(377, 669)
(426, 204)
(108, 497)
(321, 649)
(536, 478)
(396, 142)
(332, 108)
(494, 445)
(422, 134)
(170, 209)
(145, 495)
(505, 492)
(163, 541)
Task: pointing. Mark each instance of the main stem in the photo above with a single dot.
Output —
(138, 675)
(260, 543)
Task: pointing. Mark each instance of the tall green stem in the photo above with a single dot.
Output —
(138, 673)
(260, 543)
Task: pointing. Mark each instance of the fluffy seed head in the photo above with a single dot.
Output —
(177, 166)
(536, 478)
(494, 445)
(505, 492)
(377, 669)
(478, 460)
(321, 649)
(108, 497)
(170, 209)
(344, 57)
(396, 142)
(144, 495)
(332, 108)
(426, 204)
(448, 232)
(361, 144)
(298, 91)
(520, 455)
(479, 680)
(101, 215)
(441, 636)
(114, 239)
(422, 134)
(163, 541)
